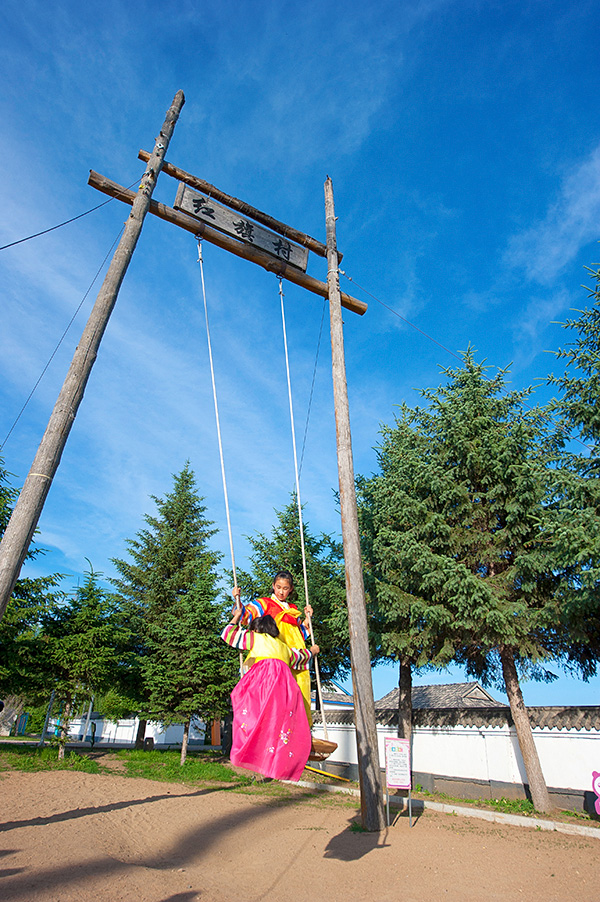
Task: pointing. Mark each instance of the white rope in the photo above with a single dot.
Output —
(214, 387)
(302, 546)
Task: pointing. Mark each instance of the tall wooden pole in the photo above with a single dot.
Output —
(364, 706)
(19, 532)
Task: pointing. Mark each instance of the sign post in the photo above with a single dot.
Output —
(397, 771)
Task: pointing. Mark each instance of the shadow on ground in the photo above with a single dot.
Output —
(352, 843)
(197, 844)
(98, 809)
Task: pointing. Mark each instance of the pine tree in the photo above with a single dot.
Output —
(464, 539)
(580, 384)
(169, 591)
(326, 583)
(577, 469)
(81, 647)
(20, 627)
(403, 626)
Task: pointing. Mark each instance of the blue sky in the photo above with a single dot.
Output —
(463, 140)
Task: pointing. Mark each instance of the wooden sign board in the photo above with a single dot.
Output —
(238, 226)
(397, 763)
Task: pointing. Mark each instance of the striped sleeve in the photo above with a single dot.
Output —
(237, 638)
(251, 610)
(300, 658)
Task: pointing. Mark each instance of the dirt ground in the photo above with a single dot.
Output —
(74, 837)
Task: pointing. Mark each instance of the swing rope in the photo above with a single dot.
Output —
(214, 388)
(224, 478)
(302, 546)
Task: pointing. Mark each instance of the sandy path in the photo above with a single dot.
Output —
(73, 837)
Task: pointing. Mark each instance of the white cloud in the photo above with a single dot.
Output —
(532, 325)
(571, 222)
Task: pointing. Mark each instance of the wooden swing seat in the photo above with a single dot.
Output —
(321, 749)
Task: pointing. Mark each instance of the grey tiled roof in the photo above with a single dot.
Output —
(449, 695)
(561, 718)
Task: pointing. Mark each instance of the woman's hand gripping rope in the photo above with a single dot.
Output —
(236, 616)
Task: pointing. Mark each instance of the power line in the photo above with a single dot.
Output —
(66, 222)
(312, 388)
(62, 338)
(403, 318)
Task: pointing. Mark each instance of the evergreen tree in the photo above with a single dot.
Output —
(464, 538)
(578, 481)
(580, 384)
(20, 674)
(282, 550)
(20, 636)
(169, 592)
(8, 496)
(403, 625)
(81, 648)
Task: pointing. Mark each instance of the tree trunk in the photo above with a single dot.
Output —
(535, 777)
(64, 729)
(13, 707)
(184, 743)
(141, 734)
(405, 698)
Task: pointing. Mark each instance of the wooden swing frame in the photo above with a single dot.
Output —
(28, 508)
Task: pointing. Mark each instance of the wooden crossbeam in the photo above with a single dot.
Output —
(241, 228)
(235, 203)
(246, 251)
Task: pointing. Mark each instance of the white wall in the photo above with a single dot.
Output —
(125, 731)
(567, 757)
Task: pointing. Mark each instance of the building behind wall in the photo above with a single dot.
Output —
(465, 745)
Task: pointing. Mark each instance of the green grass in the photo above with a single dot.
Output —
(34, 759)
(507, 806)
(198, 767)
(155, 765)
(580, 815)
(512, 806)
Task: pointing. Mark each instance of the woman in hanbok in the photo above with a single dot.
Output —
(271, 734)
(293, 626)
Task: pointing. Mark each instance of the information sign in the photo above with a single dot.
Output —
(397, 763)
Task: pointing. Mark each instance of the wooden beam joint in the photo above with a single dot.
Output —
(246, 251)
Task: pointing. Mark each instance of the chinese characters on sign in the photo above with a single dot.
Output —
(226, 220)
(244, 229)
(282, 248)
(202, 206)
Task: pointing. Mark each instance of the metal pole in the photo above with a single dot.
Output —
(87, 720)
(364, 706)
(23, 522)
(46, 720)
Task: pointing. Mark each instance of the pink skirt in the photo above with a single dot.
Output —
(270, 728)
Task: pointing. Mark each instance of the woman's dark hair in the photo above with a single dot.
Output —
(265, 624)
(285, 574)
